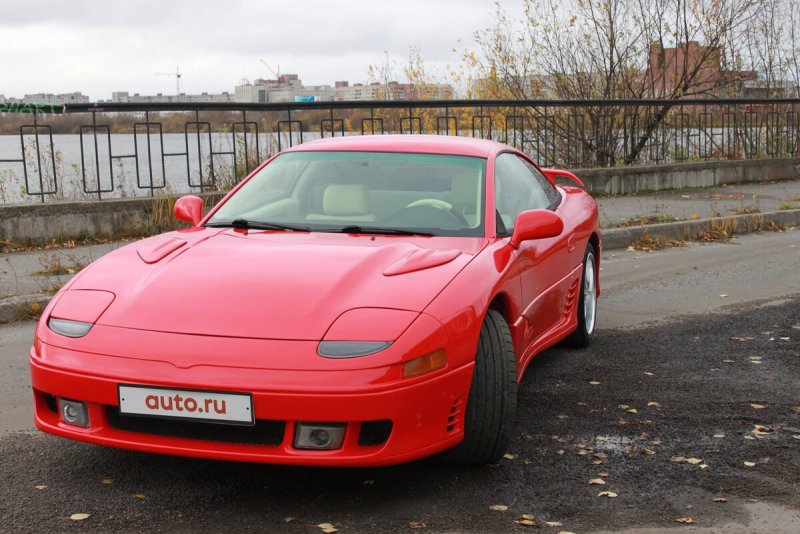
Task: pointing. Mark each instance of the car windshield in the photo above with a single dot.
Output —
(362, 192)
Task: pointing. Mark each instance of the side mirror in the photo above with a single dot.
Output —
(189, 208)
(536, 224)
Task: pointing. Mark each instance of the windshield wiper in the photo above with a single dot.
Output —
(355, 229)
(244, 224)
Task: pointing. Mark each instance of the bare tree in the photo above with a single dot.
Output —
(611, 50)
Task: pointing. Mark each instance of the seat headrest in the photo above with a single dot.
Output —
(465, 190)
(345, 199)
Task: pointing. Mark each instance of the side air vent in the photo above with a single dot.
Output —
(572, 298)
(456, 415)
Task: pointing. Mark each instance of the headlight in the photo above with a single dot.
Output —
(69, 328)
(77, 310)
(350, 349)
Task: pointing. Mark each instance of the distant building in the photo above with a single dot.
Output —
(289, 88)
(126, 97)
(49, 99)
(669, 68)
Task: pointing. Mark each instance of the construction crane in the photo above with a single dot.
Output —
(177, 75)
(276, 73)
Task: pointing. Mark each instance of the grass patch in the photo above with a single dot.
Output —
(54, 264)
(649, 244)
(645, 220)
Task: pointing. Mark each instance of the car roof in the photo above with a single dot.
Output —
(430, 144)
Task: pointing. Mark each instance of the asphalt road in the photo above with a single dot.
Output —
(677, 370)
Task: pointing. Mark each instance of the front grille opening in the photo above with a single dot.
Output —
(51, 401)
(374, 432)
(264, 432)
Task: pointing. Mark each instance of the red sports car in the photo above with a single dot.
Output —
(355, 301)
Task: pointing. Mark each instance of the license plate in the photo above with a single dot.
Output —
(195, 405)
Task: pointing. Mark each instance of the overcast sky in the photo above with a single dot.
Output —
(57, 46)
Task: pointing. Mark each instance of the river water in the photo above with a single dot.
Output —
(120, 167)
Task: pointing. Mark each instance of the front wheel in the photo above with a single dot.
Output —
(587, 302)
(492, 402)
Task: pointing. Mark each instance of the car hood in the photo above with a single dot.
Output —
(269, 285)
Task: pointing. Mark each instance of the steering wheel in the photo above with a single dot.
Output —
(432, 202)
(441, 205)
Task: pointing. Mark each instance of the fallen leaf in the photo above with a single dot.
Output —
(757, 406)
(498, 507)
(509, 456)
(560, 451)
(785, 338)
(327, 528)
(685, 520)
(553, 523)
(597, 482)
(677, 459)
(106, 481)
(526, 522)
(139, 495)
(728, 361)
(796, 436)
(653, 404)
(648, 373)
(633, 410)
(594, 383)
(694, 461)
(528, 516)
(796, 409)
(40, 488)
(566, 532)
(723, 296)
(750, 464)
(703, 466)
(417, 524)
(720, 499)
(602, 474)
(369, 482)
(719, 436)
(600, 462)
(623, 406)
(609, 494)
(35, 308)
(649, 452)
(562, 417)
(79, 517)
(289, 519)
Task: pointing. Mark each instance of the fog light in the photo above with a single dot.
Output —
(73, 412)
(323, 436)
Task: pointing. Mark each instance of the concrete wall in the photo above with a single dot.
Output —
(631, 180)
(135, 217)
(63, 221)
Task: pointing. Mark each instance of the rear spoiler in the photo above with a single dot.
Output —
(552, 174)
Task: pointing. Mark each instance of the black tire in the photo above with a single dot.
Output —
(492, 403)
(582, 336)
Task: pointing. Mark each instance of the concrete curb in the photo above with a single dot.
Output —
(16, 308)
(21, 307)
(616, 238)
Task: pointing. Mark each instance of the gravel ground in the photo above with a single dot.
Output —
(621, 411)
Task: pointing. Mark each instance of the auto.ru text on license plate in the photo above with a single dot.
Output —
(196, 405)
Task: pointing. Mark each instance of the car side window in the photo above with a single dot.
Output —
(518, 189)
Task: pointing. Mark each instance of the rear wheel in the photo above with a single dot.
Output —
(587, 303)
(492, 402)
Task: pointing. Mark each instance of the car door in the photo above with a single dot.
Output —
(519, 186)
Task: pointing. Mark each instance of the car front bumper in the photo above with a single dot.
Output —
(426, 413)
